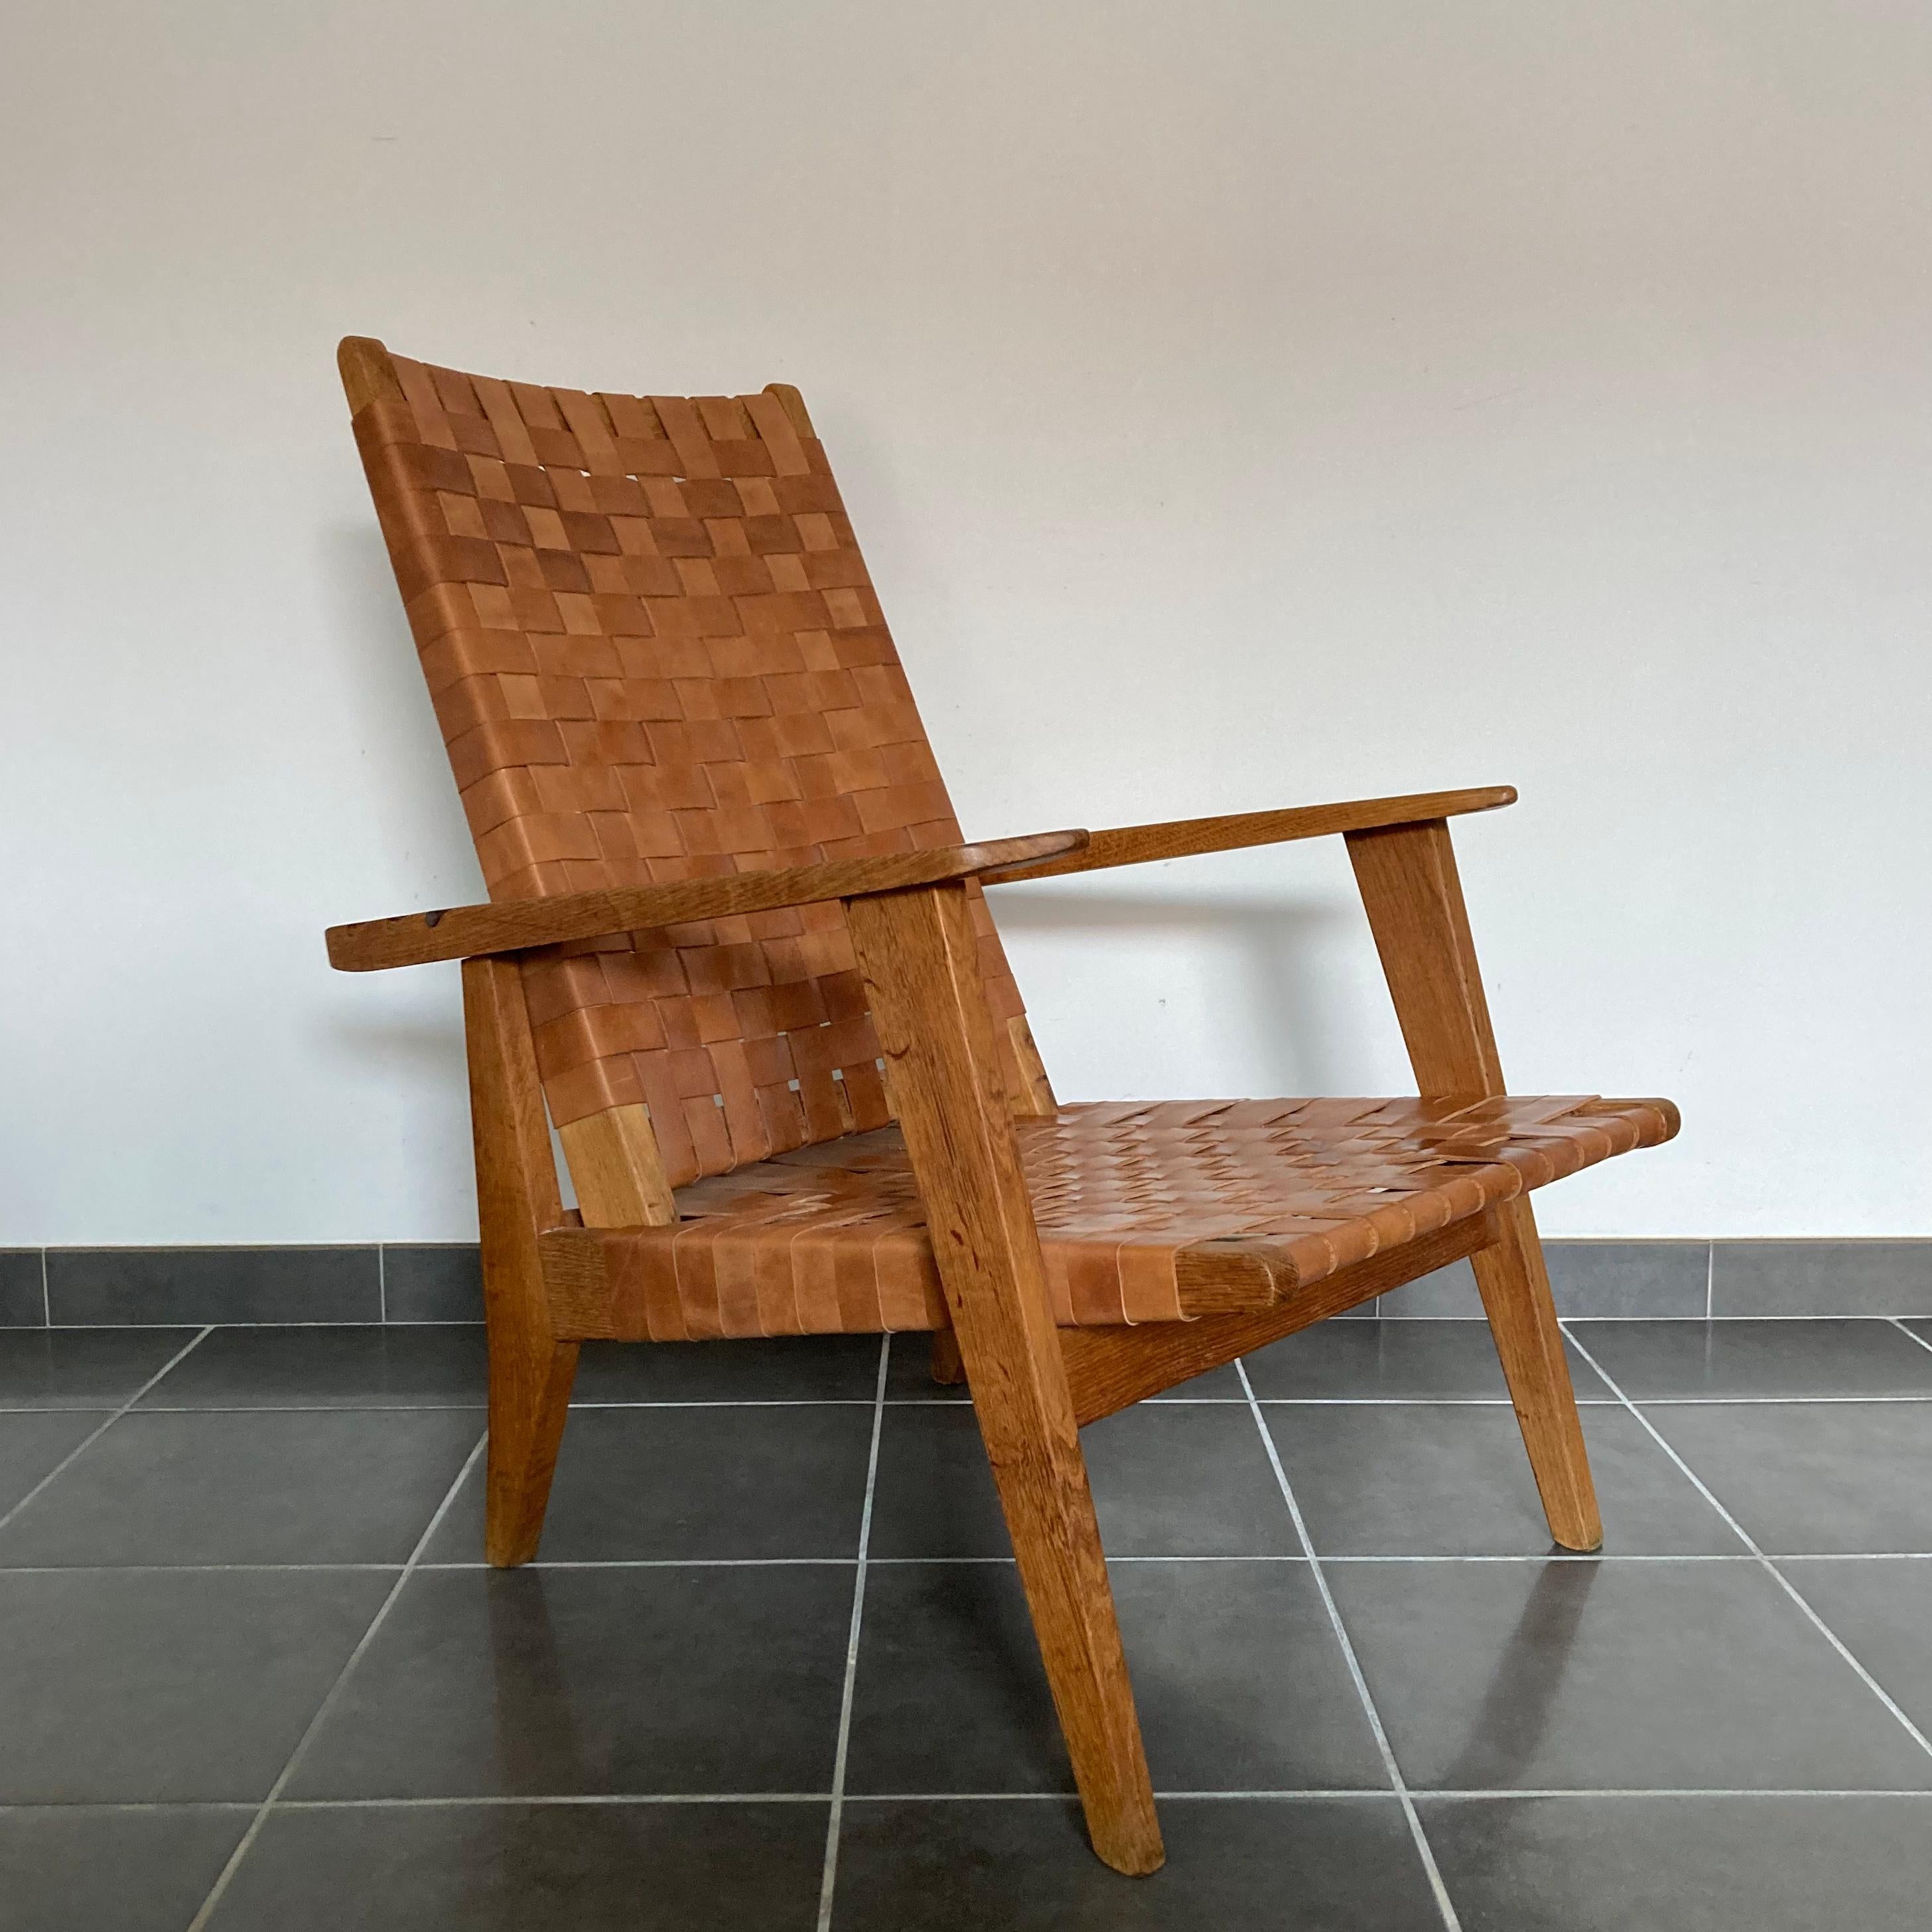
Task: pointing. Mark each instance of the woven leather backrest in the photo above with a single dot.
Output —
(656, 654)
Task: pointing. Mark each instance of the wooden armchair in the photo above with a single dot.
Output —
(737, 950)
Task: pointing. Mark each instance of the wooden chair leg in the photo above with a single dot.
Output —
(530, 1370)
(1413, 899)
(948, 1369)
(529, 1399)
(1515, 1287)
(917, 952)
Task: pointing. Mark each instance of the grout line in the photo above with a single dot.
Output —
(1443, 1903)
(931, 1562)
(1771, 1401)
(187, 1570)
(353, 1406)
(829, 1880)
(382, 1285)
(502, 1800)
(666, 1563)
(749, 1402)
(288, 1770)
(561, 1800)
(346, 1407)
(1783, 1583)
(95, 1435)
(1670, 1791)
(1403, 1321)
(47, 1294)
(1710, 1279)
(1900, 1325)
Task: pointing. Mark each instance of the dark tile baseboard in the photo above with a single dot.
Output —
(185, 1287)
(415, 1282)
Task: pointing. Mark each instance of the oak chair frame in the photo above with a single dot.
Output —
(1033, 1384)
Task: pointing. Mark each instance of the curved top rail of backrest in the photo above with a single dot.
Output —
(656, 654)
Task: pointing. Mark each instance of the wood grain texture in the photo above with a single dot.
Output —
(1413, 899)
(615, 1169)
(949, 1369)
(1183, 837)
(1033, 1092)
(368, 376)
(464, 932)
(916, 950)
(531, 1370)
(1108, 1370)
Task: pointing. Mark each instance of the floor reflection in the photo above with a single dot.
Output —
(1513, 1718)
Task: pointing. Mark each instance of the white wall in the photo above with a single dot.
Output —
(1242, 403)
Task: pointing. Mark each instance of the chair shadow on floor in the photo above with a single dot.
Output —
(538, 1751)
(1513, 1717)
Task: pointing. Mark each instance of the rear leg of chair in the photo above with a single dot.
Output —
(948, 1370)
(1515, 1287)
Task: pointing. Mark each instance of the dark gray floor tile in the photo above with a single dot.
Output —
(1446, 1292)
(785, 1368)
(200, 1284)
(1841, 1277)
(683, 1483)
(1340, 1864)
(1240, 1682)
(1186, 1479)
(909, 1375)
(22, 1289)
(1610, 1676)
(307, 1486)
(1685, 1864)
(1423, 1479)
(72, 1869)
(1361, 1360)
(1690, 1360)
(1880, 1609)
(1586, 1278)
(1828, 1476)
(934, 1495)
(359, 1366)
(1221, 1384)
(133, 1684)
(32, 1441)
(533, 1682)
(425, 1281)
(76, 1369)
(1177, 1479)
(515, 1867)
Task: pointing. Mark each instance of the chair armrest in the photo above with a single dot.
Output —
(1181, 838)
(467, 932)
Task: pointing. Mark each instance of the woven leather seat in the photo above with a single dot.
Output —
(735, 953)
(1147, 1212)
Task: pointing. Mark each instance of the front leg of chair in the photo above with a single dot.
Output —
(1515, 1287)
(917, 952)
(1409, 886)
(530, 1370)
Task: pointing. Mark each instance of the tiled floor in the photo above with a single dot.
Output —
(774, 1671)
